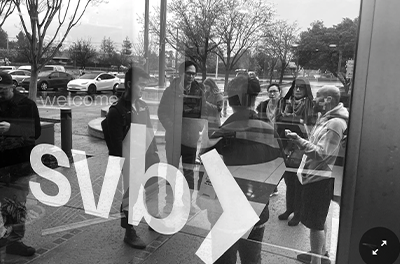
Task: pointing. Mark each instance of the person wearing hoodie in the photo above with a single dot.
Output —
(183, 112)
(297, 107)
(314, 173)
(297, 102)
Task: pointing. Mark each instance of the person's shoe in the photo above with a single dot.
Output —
(306, 258)
(20, 249)
(294, 221)
(284, 216)
(133, 240)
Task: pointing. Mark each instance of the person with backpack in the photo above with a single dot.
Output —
(129, 109)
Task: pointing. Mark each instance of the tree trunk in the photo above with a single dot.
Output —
(203, 74)
(33, 85)
(281, 75)
(342, 79)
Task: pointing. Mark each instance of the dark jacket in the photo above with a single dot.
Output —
(262, 107)
(246, 140)
(17, 143)
(181, 112)
(308, 113)
(118, 123)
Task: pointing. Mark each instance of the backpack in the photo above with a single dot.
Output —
(126, 117)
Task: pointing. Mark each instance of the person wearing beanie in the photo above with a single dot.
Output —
(19, 128)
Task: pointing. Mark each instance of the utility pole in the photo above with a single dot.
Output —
(216, 68)
(146, 36)
(161, 62)
(176, 50)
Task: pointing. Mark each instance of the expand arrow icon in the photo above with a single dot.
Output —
(384, 243)
(375, 252)
(238, 216)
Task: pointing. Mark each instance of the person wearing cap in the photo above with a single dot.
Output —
(315, 173)
(19, 128)
(246, 140)
(183, 113)
(129, 108)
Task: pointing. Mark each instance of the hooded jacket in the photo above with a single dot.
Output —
(323, 145)
(286, 106)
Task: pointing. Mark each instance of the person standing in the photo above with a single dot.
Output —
(215, 101)
(19, 128)
(298, 107)
(183, 112)
(270, 109)
(246, 140)
(129, 108)
(314, 173)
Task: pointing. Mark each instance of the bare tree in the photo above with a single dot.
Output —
(41, 14)
(138, 50)
(239, 29)
(278, 42)
(82, 52)
(191, 28)
(6, 9)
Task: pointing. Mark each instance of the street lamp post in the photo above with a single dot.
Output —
(161, 63)
(146, 36)
(296, 47)
(334, 46)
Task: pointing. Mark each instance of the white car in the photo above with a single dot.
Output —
(93, 83)
(45, 68)
(19, 75)
(7, 68)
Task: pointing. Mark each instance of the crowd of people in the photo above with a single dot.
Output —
(305, 131)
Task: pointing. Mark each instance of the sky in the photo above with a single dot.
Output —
(117, 19)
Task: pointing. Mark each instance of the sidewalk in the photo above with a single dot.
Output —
(68, 235)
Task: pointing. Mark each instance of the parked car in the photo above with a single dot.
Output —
(49, 79)
(93, 83)
(19, 75)
(45, 68)
(241, 72)
(7, 68)
(25, 67)
(152, 82)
